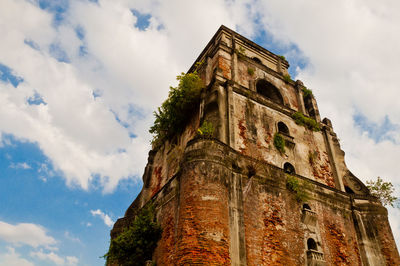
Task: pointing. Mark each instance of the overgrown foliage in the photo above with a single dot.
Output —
(298, 187)
(308, 122)
(279, 143)
(241, 52)
(135, 245)
(307, 93)
(174, 112)
(206, 129)
(312, 156)
(250, 71)
(282, 57)
(287, 78)
(382, 190)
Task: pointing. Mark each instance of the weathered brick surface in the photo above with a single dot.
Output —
(339, 239)
(203, 232)
(272, 228)
(165, 252)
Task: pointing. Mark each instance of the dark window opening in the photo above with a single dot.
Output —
(282, 128)
(289, 169)
(309, 106)
(269, 91)
(348, 190)
(251, 171)
(311, 244)
(211, 107)
(257, 60)
(306, 207)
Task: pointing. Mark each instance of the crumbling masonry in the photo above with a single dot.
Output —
(225, 200)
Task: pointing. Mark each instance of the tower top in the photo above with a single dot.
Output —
(233, 41)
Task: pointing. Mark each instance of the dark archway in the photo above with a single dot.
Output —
(257, 60)
(289, 169)
(269, 91)
(306, 207)
(311, 244)
(283, 129)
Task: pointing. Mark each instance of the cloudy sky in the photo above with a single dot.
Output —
(79, 81)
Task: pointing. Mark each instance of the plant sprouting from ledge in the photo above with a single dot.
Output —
(299, 187)
(382, 190)
(135, 245)
(250, 71)
(307, 93)
(308, 122)
(287, 78)
(206, 130)
(241, 52)
(174, 112)
(279, 142)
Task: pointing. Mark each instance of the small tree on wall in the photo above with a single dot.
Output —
(382, 190)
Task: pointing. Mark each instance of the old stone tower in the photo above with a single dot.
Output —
(235, 199)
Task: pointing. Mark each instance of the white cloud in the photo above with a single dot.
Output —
(36, 237)
(12, 258)
(27, 234)
(53, 257)
(23, 165)
(69, 236)
(71, 260)
(106, 219)
(132, 70)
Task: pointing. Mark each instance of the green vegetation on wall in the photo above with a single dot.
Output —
(174, 112)
(250, 71)
(241, 52)
(206, 130)
(302, 120)
(135, 245)
(279, 142)
(307, 93)
(297, 186)
(382, 190)
(287, 78)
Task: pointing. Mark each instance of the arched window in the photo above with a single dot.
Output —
(257, 60)
(283, 129)
(306, 207)
(289, 169)
(311, 244)
(269, 91)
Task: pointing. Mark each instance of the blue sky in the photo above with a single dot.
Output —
(33, 192)
(79, 81)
